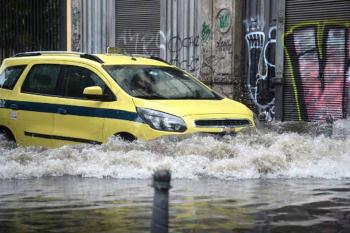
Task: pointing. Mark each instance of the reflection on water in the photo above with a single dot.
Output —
(284, 178)
(73, 204)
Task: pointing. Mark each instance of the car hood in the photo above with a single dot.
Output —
(194, 107)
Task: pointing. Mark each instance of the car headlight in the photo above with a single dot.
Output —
(162, 121)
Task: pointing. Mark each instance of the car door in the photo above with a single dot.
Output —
(79, 119)
(34, 107)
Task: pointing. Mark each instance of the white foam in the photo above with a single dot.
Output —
(263, 154)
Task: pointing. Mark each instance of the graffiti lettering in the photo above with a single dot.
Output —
(141, 43)
(205, 33)
(211, 62)
(224, 45)
(260, 68)
(177, 43)
(191, 65)
(199, 54)
(224, 20)
(204, 64)
(319, 62)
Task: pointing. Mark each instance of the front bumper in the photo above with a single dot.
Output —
(147, 133)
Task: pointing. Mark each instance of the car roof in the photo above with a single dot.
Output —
(119, 59)
(103, 59)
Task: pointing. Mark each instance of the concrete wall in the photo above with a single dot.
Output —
(203, 37)
(93, 25)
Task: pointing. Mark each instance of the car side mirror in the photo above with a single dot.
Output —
(94, 92)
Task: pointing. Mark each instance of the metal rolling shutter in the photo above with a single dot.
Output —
(138, 26)
(316, 60)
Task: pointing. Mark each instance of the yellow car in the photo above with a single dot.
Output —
(56, 98)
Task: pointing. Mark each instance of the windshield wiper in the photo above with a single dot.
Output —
(150, 97)
(187, 98)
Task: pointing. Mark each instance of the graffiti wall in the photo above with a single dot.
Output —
(282, 61)
(298, 61)
(262, 45)
(260, 42)
(198, 37)
(318, 59)
(194, 35)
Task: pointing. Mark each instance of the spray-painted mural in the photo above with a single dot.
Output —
(318, 59)
(260, 68)
(318, 56)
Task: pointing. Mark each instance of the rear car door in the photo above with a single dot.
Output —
(79, 119)
(35, 105)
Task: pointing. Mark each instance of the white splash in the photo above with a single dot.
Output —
(262, 154)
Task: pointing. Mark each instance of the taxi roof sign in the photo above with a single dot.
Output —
(114, 50)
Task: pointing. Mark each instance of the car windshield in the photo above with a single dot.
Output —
(158, 83)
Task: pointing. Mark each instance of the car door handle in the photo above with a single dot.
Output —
(14, 106)
(62, 111)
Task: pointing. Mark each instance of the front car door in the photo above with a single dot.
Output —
(79, 119)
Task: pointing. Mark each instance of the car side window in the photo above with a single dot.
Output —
(9, 77)
(42, 79)
(76, 79)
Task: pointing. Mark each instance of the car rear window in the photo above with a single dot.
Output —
(42, 79)
(9, 77)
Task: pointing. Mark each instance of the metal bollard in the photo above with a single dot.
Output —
(160, 212)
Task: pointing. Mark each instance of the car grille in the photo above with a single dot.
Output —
(222, 123)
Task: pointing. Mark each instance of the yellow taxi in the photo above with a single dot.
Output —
(55, 98)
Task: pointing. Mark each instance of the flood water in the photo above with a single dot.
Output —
(283, 178)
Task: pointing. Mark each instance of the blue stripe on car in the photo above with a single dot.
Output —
(74, 110)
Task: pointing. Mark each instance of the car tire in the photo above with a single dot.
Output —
(10, 141)
(126, 137)
(7, 134)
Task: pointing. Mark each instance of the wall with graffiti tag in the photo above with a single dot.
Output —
(199, 36)
(298, 61)
(260, 43)
(285, 62)
(318, 63)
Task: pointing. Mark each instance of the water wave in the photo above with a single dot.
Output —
(277, 151)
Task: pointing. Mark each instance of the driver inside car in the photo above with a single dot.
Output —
(141, 85)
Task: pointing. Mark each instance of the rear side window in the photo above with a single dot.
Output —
(9, 77)
(42, 79)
